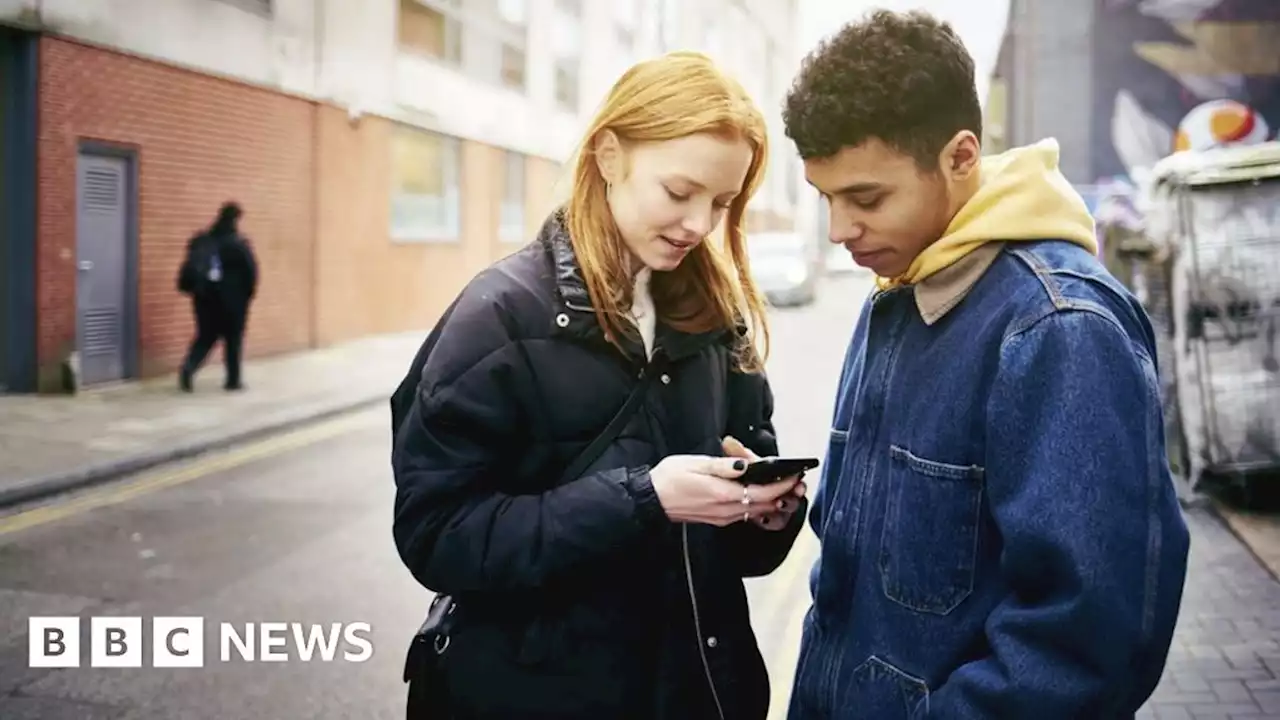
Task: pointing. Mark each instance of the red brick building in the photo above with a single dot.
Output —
(211, 138)
(384, 151)
(314, 184)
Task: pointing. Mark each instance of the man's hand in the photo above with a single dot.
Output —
(787, 504)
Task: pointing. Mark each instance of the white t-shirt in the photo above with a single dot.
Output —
(642, 310)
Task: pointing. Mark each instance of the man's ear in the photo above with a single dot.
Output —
(608, 155)
(961, 157)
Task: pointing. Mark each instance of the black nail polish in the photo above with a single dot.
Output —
(739, 464)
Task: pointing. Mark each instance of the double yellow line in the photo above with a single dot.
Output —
(149, 482)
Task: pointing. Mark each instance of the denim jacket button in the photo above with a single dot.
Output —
(712, 641)
(666, 379)
(562, 320)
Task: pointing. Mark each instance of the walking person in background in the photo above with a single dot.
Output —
(1000, 536)
(220, 274)
(570, 435)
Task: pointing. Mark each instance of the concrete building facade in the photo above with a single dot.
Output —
(1121, 85)
(384, 151)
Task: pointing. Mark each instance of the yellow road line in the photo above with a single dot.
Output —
(789, 583)
(165, 477)
(793, 603)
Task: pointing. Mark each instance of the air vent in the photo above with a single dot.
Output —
(101, 332)
(101, 189)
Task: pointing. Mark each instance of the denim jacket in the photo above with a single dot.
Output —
(1000, 536)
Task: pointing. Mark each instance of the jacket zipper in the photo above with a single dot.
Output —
(697, 623)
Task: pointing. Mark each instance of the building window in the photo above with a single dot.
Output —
(511, 35)
(567, 49)
(511, 219)
(486, 40)
(426, 204)
(513, 63)
(431, 28)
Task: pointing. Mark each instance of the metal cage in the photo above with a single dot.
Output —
(1225, 292)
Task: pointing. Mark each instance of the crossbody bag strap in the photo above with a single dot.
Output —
(611, 431)
(434, 633)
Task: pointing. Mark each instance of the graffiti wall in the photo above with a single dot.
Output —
(1176, 74)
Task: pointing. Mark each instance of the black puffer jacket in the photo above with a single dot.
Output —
(575, 598)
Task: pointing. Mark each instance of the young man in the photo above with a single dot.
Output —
(1000, 534)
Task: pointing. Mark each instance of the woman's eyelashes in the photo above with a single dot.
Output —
(682, 198)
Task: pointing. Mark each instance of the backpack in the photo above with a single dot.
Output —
(202, 266)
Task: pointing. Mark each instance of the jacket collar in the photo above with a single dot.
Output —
(576, 317)
(937, 294)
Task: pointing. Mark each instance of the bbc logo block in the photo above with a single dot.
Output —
(177, 642)
(54, 642)
(115, 642)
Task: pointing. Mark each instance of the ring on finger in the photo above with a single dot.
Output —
(746, 503)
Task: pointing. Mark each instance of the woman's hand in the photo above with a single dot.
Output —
(702, 489)
(777, 517)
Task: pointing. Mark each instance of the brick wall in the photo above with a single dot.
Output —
(366, 283)
(199, 140)
(315, 185)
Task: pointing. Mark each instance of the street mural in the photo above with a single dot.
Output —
(1173, 75)
(1182, 74)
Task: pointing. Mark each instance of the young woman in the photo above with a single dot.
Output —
(617, 592)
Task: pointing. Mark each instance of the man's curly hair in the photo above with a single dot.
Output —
(903, 78)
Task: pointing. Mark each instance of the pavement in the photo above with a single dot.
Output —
(1258, 530)
(1225, 659)
(50, 444)
(293, 525)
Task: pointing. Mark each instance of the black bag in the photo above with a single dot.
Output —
(428, 691)
(193, 276)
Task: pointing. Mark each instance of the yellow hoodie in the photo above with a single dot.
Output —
(1022, 196)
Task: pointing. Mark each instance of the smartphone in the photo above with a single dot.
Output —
(767, 470)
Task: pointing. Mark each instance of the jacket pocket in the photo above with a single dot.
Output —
(928, 548)
(881, 691)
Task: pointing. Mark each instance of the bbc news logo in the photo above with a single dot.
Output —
(179, 642)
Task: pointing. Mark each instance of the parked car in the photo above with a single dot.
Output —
(785, 267)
